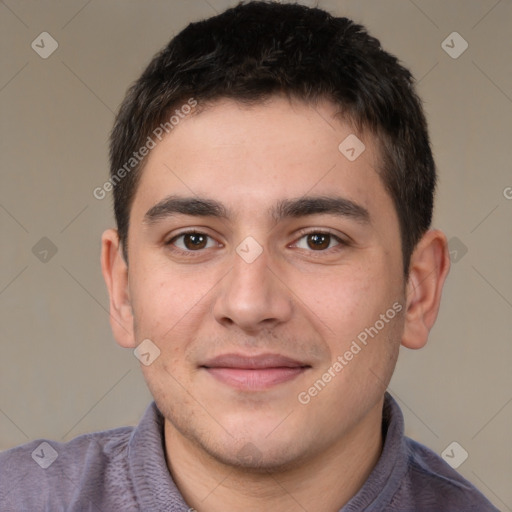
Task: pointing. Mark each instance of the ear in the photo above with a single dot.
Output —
(115, 273)
(429, 266)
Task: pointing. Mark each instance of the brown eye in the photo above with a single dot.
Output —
(192, 241)
(318, 241)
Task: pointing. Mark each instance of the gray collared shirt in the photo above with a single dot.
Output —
(124, 470)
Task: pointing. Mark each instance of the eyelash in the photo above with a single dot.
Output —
(341, 243)
(302, 233)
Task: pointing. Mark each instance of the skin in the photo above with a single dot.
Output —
(293, 299)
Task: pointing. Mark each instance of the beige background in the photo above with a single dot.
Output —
(61, 373)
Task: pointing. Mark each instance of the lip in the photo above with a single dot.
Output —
(254, 372)
(255, 362)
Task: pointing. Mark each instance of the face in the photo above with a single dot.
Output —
(266, 267)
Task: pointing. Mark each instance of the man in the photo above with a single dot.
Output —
(273, 192)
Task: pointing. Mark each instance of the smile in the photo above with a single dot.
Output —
(254, 372)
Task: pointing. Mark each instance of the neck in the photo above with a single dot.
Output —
(326, 481)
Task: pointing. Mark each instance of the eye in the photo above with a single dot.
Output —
(192, 241)
(318, 241)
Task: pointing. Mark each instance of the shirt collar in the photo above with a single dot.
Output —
(153, 485)
(387, 475)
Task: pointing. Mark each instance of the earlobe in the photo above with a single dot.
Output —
(115, 273)
(429, 266)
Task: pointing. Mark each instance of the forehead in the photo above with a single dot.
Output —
(250, 157)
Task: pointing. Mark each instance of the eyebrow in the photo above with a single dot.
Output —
(304, 206)
(178, 205)
(286, 208)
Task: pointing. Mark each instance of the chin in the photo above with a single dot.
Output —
(258, 459)
(258, 451)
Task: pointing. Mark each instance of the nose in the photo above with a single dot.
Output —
(252, 297)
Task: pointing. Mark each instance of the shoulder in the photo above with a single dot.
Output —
(43, 472)
(431, 484)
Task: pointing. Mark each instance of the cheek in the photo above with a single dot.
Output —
(169, 308)
(345, 299)
(161, 298)
(152, 306)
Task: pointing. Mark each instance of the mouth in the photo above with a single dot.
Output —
(254, 372)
